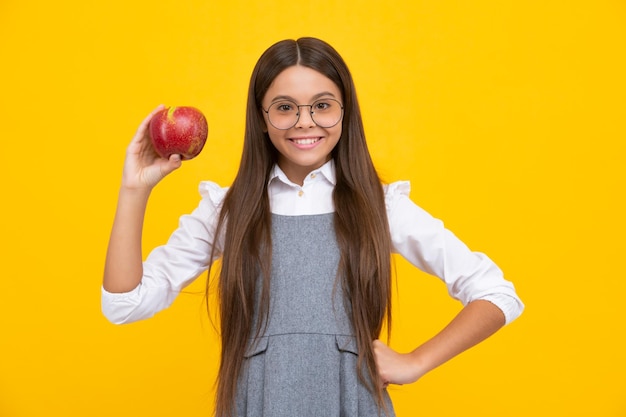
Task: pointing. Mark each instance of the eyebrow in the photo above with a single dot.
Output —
(315, 97)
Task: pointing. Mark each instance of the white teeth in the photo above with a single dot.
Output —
(305, 141)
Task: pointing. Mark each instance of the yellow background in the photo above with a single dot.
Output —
(507, 117)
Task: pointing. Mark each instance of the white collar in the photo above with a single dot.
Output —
(327, 171)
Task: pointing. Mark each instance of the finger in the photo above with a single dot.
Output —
(173, 163)
(378, 347)
(154, 174)
(143, 126)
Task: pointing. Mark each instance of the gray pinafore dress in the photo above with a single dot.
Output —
(305, 362)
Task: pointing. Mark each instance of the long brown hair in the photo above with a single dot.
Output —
(360, 221)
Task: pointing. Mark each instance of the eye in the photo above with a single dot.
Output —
(284, 107)
(322, 105)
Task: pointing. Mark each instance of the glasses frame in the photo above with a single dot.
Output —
(311, 112)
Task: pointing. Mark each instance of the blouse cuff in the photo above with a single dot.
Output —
(511, 307)
(118, 307)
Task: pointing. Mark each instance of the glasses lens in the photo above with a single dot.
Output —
(285, 114)
(326, 112)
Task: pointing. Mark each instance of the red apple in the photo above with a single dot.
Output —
(179, 130)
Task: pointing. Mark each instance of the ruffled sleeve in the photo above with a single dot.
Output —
(426, 243)
(395, 191)
(171, 267)
(213, 192)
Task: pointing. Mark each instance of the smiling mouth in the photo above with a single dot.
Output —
(307, 141)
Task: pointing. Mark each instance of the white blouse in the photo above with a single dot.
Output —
(415, 234)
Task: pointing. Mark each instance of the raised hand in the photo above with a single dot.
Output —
(143, 167)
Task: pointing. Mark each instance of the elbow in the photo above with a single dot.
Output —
(122, 308)
(116, 315)
(140, 303)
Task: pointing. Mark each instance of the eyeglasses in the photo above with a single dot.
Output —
(284, 114)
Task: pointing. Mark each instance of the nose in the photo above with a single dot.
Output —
(305, 119)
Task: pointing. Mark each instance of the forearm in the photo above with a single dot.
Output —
(123, 266)
(476, 322)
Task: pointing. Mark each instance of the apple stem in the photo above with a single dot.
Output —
(170, 114)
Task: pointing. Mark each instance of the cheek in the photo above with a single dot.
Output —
(273, 137)
(337, 133)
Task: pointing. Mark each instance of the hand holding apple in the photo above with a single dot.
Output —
(178, 130)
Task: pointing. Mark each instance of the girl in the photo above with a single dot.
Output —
(305, 233)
